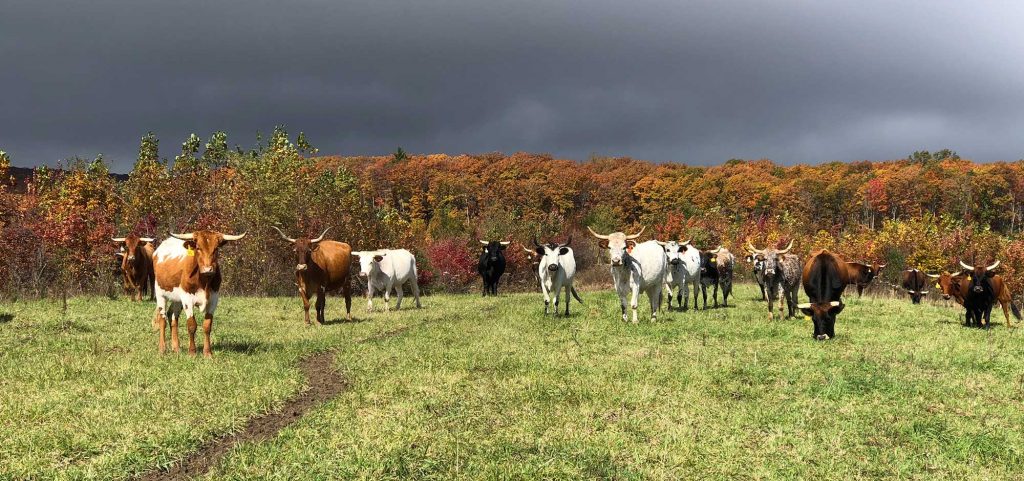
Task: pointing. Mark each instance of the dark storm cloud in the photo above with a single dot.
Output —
(699, 82)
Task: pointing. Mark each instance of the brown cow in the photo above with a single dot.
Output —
(954, 286)
(188, 279)
(861, 275)
(824, 277)
(321, 266)
(136, 264)
(915, 282)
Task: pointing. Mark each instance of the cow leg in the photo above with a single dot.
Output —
(192, 327)
(305, 303)
(654, 295)
(1006, 312)
(568, 298)
(696, 292)
(369, 297)
(175, 342)
(347, 292)
(704, 295)
(684, 297)
(160, 321)
(669, 289)
(634, 295)
(714, 294)
(321, 305)
(414, 286)
(399, 292)
(485, 289)
(207, 328)
(547, 296)
(860, 289)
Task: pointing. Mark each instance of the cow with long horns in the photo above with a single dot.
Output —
(556, 270)
(682, 272)
(781, 277)
(862, 274)
(954, 286)
(136, 264)
(635, 268)
(492, 265)
(188, 280)
(915, 282)
(980, 292)
(321, 266)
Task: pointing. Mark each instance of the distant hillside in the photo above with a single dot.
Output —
(23, 174)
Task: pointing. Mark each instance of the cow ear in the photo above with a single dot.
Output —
(502, 246)
(563, 251)
(378, 258)
(989, 273)
(190, 244)
(807, 311)
(835, 310)
(315, 246)
(539, 251)
(603, 243)
(631, 243)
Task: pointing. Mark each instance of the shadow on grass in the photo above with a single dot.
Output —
(5, 318)
(244, 346)
(342, 320)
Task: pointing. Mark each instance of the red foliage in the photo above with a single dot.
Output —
(452, 262)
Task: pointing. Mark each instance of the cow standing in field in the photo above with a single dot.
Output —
(635, 268)
(708, 277)
(915, 282)
(781, 277)
(979, 292)
(955, 286)
(387, 269)
(492, 265)
(321, 266)
(757, 268)
(136, 265)
(725, 263)
(188, 280)
(556, 270)
(825, 277)
(861, 274)
(682, 271)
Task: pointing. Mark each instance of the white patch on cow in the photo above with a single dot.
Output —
(170, 248)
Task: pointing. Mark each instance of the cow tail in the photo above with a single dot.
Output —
(577, 296)
(1015, 309)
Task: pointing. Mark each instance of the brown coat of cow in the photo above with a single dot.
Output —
(915, 282)
(825, 276)
(321, 266)
(137, 265)
(188, 277)
(954, 287)
(861, 275)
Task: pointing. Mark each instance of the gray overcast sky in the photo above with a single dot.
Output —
(696, 82)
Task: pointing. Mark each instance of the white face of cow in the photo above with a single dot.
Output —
(369, 262)
(618, 244)
(673, 252)
(552, 257)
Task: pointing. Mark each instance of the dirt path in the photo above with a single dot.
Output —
(324, 384)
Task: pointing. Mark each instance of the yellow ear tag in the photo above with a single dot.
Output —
(713, 259)
(937, 286)
(190, 252)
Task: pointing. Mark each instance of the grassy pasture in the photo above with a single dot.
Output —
(488, 388)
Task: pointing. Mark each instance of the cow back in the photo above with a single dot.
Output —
(399, 264)
(825, 276)
(174, 267)
(333, 260)
(650, 257)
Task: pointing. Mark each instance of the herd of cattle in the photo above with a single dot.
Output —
(184, 277)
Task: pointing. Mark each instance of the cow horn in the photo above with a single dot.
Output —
(634, 236)
(880, 267)
(599, 236)
(289, 239)
(146, 239)
(528, 251)
(182, 236)
(716, 251)
(233, 237)
(663, 244)
(505, 243)
(803, 306)
(753, 249)
(933, 276)
(118, 239)
(993, 266)
(834, 303)
(790, 246)
(318, 239)
(965, 266)
(567, 242)
(685, 242)
(483, 242)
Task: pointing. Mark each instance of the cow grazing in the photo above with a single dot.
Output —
(915, 282)
(725, 263)
(321, 266)
(136, 264)
(492, 265)
(556, 270)
(188, 280)
(955, 286)
(757, 268)
(683, 270)
(861, 274)
(635, 268)
(387, 269)
(781, 277)
(825, 276)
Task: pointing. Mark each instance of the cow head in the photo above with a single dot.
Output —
(979, 278)
(550, 255)
(618, 244)
(674, 251)
(949, 284)
(757, 264)
(770, 258)
(303, 248)
(824, 316)
(131, 247)
(369, 262)
(493, 249)
(205, 245)
(915, 282)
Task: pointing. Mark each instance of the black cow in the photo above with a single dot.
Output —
(492, 265)
(824, 277)
(708, 277)
(981, 293)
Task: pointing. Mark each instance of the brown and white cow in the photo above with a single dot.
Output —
(321, 266)
(136, 264)
(861, 274)
(188, 280)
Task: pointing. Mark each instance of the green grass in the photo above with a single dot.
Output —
(489, 388)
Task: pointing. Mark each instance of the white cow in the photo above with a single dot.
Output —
(683, 271)
(635, 268)
(385, 269)
(556, 271)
